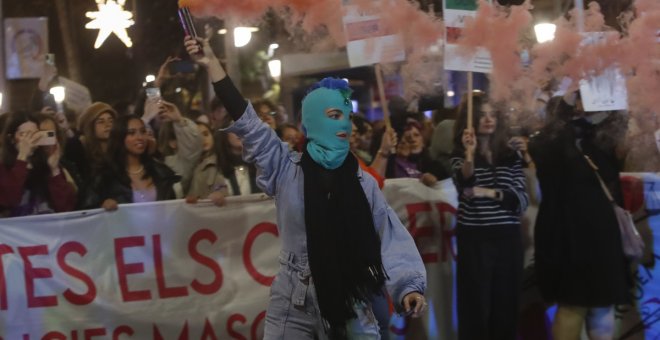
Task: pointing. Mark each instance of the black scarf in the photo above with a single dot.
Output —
(342, 244)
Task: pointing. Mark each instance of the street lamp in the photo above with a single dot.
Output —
(242, 35)
(545, 32)
(271, 49)
(275, 68)
(59, 93)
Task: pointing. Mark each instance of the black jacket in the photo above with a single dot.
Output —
(578, 255)
(109, 185)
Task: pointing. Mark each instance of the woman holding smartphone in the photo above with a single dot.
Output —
(32, 181)
(131, 174)
(488, 173)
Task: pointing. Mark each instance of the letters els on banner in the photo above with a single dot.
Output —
(171, 270)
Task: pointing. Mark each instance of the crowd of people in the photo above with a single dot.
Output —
(105, 157)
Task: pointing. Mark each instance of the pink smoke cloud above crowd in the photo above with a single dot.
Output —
(499, 30)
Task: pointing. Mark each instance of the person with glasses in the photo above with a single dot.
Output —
(267, 112)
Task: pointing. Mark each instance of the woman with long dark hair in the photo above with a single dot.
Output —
(488, 173)
(207, 179)
(240, 175)
(579, 259)
(131, 174)
(32, 180)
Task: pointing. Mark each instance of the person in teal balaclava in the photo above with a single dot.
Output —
(327, 123)
(341, 242)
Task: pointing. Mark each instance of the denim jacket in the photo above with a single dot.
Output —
(280, 176)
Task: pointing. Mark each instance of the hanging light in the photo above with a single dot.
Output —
(111, 18)
(149, 78)
(545, 32)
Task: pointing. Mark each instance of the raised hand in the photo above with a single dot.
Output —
(169, 111)
(388, 142)
(27, 144)
(469, 143)
(151, 109)
(201, 52)
(164, 71)
(518, 144)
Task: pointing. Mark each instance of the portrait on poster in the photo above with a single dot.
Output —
(26, 43)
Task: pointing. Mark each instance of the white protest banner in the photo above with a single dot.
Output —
(641, 194)
(455, 12)
(368, 41)
(78, 97)
(26, 44)
(429, 215)
(147, 271)
(170, 270)
(606, 91)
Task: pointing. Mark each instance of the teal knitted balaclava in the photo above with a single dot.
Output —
(324, 146)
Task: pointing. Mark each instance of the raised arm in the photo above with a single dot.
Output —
(200, 51)
(261, 145)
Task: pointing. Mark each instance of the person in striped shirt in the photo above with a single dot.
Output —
(488, 174)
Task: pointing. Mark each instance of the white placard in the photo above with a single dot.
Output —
(368, 41)
(77, 97)
(606, 91)
(455, 13)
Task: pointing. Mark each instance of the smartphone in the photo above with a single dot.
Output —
(50, 59)
(182, 66)
(48, 138)
(187, 22)
(515, 131)
(153, 92)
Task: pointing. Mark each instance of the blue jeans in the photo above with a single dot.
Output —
(293, 311)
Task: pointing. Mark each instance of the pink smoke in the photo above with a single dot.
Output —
(498, 29)
(641, 59)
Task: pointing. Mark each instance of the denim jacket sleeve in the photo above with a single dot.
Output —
(401, 258)
(262, 147)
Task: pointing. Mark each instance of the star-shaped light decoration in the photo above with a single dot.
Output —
(111, 18)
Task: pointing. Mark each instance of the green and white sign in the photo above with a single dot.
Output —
(455, 12)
